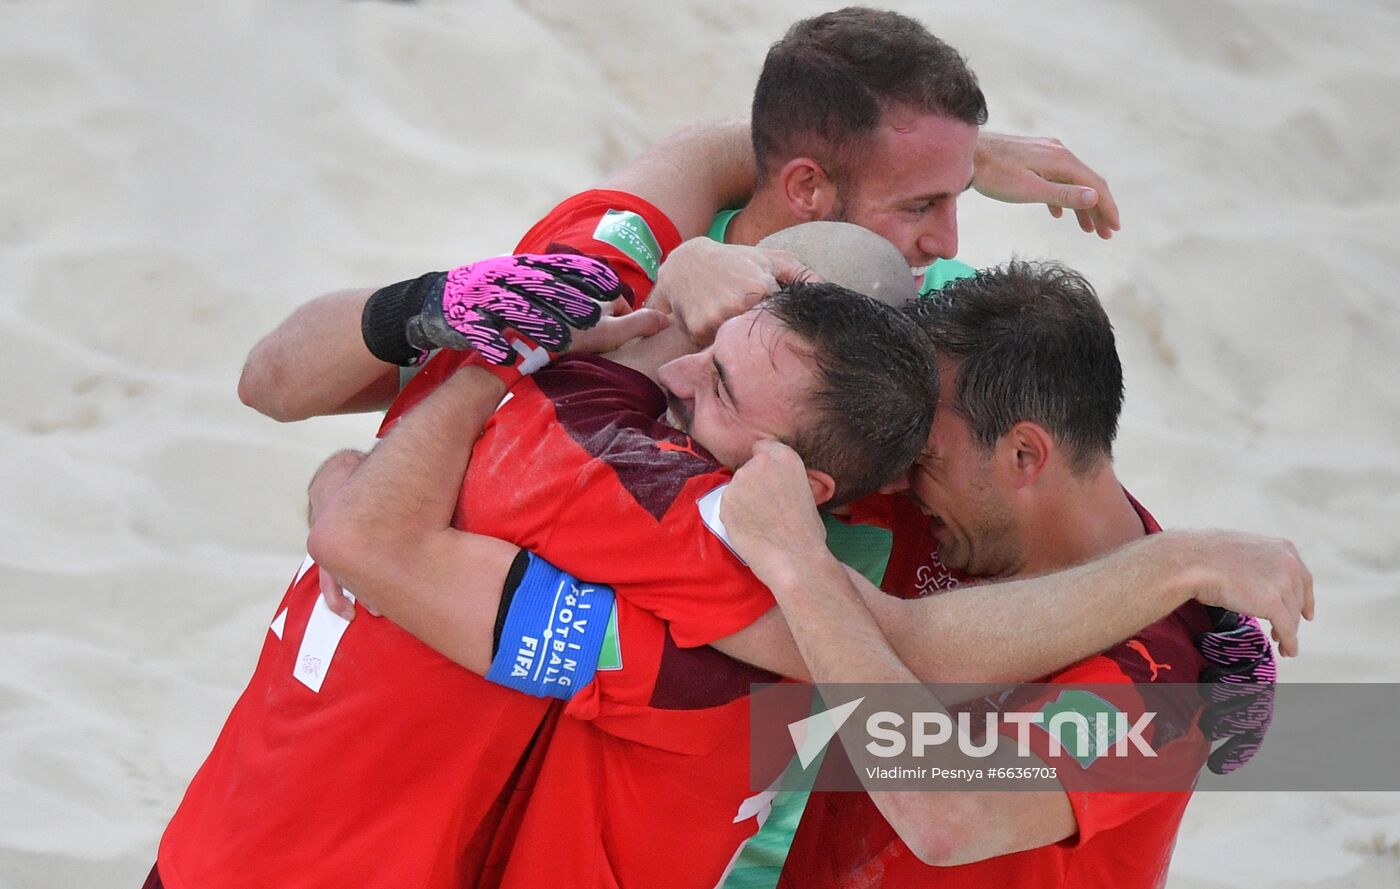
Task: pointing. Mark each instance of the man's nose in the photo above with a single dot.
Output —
(940, 238)
(678, 377)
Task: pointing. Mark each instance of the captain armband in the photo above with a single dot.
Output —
(550, 630)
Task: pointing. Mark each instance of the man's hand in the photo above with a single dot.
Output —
(329, 478)
(1025, 170)
(1262, 576)
(769, 512)
(619, 326)
(541, 297)
(705, 283)
(1239, 688)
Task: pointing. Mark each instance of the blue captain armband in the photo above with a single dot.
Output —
(552, 631)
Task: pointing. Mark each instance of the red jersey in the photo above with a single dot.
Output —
(1123, 839)
(648, 783)
(357, 755)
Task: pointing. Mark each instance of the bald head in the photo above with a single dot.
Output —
(853, 257)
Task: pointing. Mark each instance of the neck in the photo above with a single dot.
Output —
(1084, 519)
(765, 213)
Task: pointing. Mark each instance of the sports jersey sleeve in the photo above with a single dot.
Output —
(639, 510)
(649, 690)
(625, 231)
(669, 558)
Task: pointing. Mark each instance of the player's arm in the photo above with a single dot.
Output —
(387, 532)
(316, 363)
(388, 529)
(841, 643)
(693, 173)
(698, 170)
(1021, 629)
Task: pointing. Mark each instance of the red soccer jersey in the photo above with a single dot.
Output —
(651, 757)
(358, 756)
(1123, 839)
(648, 783)
(914, 569)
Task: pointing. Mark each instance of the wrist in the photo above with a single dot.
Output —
(482, 377)
(384, 321)
(1189, 574)
(794, 573)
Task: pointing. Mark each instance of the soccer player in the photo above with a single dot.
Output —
(863, 165)
(1017, 480)
(337, 718)
(660, 729)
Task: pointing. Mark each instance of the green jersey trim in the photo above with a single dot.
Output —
(630, 233)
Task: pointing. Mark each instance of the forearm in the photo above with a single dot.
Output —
(315, 363)
(1023, 629)
(693, 173)
(389, 527)
(841, 643)
(328, 479)
(835, 632)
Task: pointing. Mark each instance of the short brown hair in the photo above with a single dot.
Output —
(869, 414)
(1032, 342)
(825, 85)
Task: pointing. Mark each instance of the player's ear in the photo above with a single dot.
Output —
(823, 485)
(808, 190)
(1025, 450)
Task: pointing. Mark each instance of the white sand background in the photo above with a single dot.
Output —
(175, 177)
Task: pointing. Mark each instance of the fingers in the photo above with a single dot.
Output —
(1085, 192)
(1106, 212)
(1309, 606)
(577, 303)
(1073, 197)
(586, 271)
(612, 332)
(774, 450)
(786, 268)
(335, 597)
(1285, 630)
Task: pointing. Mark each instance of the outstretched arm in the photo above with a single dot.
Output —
(841, 643)
(1029, 170)
(1021, 629)
(315, 362)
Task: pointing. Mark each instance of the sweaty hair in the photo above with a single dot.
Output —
(825, 85)
(876, 386)
(1031, 342)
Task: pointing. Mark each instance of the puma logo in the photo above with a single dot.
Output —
(683, 449)
(1142, 650)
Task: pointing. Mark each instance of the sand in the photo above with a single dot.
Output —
(175, 177)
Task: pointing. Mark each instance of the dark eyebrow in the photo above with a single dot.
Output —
(724, 382)
(930, 198)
